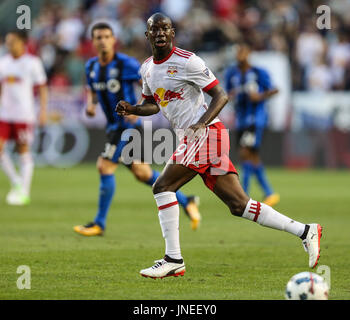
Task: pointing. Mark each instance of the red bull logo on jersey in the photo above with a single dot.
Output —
(163, 97)
(172, 71)
(12, 79)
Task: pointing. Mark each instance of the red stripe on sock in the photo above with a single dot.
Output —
(255, 208)
(168, 205)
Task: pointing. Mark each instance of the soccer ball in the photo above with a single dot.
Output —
(306, 286)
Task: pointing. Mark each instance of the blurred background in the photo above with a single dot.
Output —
(309, 123)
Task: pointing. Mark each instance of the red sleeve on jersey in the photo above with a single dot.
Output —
(146, 97)
(211, 85)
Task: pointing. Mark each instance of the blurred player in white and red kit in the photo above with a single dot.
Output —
(173, 82)
(20, 72)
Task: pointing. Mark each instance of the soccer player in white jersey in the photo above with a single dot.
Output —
(173, 83)
(19, 73)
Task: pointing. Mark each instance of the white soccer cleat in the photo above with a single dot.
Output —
(312, 243)
(163, 268)
(16, 197)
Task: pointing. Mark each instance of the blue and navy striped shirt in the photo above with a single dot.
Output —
(248, 113)
(112, 83)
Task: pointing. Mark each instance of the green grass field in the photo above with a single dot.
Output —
(227, 258)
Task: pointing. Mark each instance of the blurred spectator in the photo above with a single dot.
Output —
(319, 77)
(176, 10)
(339, 58)
(69, 31)
(104, 9)
(74, 66)
(286, 26)
(310, 46)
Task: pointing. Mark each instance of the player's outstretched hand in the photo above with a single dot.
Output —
(123, 108)
(195, 131)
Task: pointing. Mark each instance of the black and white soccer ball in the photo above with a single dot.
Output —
(307, 286)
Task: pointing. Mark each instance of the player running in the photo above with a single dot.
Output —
(250, 87)
(173, 82)
(19, 73)
(111, 77)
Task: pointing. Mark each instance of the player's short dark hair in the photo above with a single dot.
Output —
(21, 34)
(100, 26)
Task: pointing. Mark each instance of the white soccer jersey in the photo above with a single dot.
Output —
(18, 76)
(177, 84)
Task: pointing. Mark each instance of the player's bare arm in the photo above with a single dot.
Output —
(148, 107)
(261, 96)
(218, 101)
(43, 97)
(91, 103)
(131, 117)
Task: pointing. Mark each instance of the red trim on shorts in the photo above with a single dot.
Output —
(211, 85)
(15, 130)
(217, 161)
(168, 205)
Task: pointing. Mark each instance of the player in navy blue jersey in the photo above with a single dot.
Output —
(250, 87)
(110, 78)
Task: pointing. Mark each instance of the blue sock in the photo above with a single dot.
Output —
(155, 175)
(248, 169)
(261, 176)
(181, 198)
(107, 189)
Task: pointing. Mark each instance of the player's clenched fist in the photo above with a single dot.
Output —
(123, 108)
(195, 131)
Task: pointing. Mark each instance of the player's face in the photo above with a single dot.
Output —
(14, 44)
(242, 54)
(103, 40)
(160, 34)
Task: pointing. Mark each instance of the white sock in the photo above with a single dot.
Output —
(26, 169)
(169, 221)
(9, 168)
(269, 217)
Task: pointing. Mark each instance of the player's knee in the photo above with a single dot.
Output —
(141, 175)
(105, 167)
(22, 148)
(238, 205)
(160, 186)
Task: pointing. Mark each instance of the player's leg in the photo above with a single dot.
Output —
(229, 190)
(106, 165)
(106, 169)
(8, 166)
(107, 187)
(23, 134)
(144, 173)
(244, 138)
(5, 160)
(26, 168)
(247, 168)
(270, 197)
(173, 177)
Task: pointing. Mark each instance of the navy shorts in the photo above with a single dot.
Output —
(250, 137)
(117, 140)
